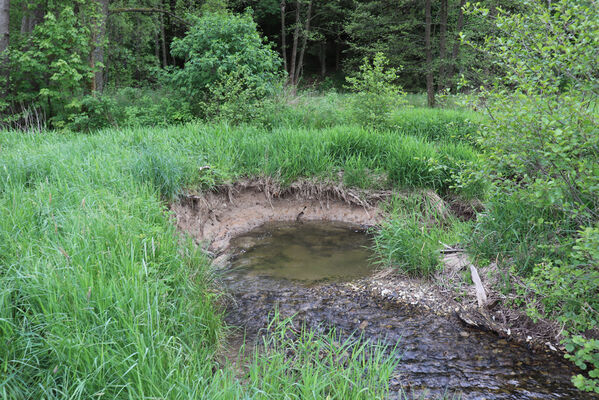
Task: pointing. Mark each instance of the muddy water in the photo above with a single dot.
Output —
(296, 267)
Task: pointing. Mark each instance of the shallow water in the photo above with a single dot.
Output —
(307, 252)
(294, 267)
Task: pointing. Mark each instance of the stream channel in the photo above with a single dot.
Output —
(303, 268)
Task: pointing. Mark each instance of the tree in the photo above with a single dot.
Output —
(456, 45)
(283, 34)
(430, 88)
(541, 147)
(306, 33)
(98, 38)
(292, 78)
(4, 41)
(221, 48)
(442, 45)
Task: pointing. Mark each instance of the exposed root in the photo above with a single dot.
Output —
(215, 217)
(311, 189)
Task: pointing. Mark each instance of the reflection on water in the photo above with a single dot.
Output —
(438, 355)
(308, 252)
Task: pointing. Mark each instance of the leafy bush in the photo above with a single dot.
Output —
(585, 352)
(222, 53)
(48, 70)
(234, 99)
(377, 93)
(569, 286)
(541, 143)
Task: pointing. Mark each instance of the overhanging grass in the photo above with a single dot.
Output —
(417, 226)
(170, 158)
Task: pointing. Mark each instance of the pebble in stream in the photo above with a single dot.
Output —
(438, 355)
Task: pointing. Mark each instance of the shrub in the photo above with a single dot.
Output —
(377, 93)
(49, 70)
(221, 52)
(541, 144)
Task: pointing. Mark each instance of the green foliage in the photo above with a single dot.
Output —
(235, 99)
(516, 232)
(411, 237)
(569, 286)
(96, 283)
(223, 51)
(585, 354)
(316, 366)
(214, 6)
(541, 144)
(50, 70)
(377, 94)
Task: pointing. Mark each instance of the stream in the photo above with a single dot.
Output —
(301, 269)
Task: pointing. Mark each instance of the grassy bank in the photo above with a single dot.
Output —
(99, 295)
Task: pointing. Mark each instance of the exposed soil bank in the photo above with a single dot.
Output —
(213, 218)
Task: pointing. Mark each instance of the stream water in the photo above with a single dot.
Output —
(298, 267)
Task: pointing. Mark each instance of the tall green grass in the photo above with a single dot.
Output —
(100, 297)
(417, 228)
(306, 365)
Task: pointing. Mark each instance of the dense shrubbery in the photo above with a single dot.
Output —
(228, 67)
(542, 150)
(47, 71)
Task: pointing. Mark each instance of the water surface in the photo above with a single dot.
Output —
(293, 267)
(307, 251)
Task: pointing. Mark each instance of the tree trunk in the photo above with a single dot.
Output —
(157, 46)
(442, 45)
(486, 70)
(430, 89)
(294, 47)
(323, 59)
(25, 20)
(163, 41)
(4, 24)
(283, 35)
(31, 18)
(300, 64)
(97, 57)
(4, 39)
(456, 45)
(337, 55)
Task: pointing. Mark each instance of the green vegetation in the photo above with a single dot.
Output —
(97, 286)
(419, 224)
(541, 147)
(321, 366)
(227, 65)
(110, 109)
(376, 92)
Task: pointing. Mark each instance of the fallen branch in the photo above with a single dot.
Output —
(481, 295)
